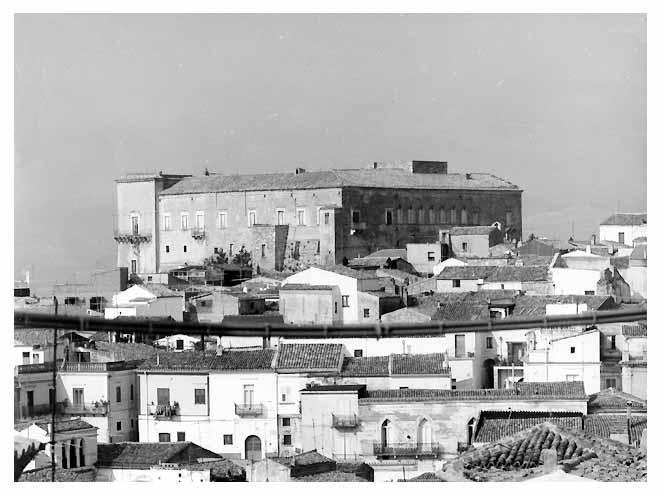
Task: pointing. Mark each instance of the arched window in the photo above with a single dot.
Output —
(73, 455)
(385, 432)
(63, 459)
(424, 433)
(253, 448)
(81, 452)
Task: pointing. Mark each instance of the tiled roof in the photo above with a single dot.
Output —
(183, 360)
(345, 271)
(613, 400)
(494, 425)
(635, 330)
(44, 474)
(159, 290)
(309, 356)
(306, 287)
(391, 253)
(466, 272)
(626, 220)
(535, 305)
(423, 364)
(471, 230)
(462, 310)
(368, 178)
(366, 366)
(521, 390)
(33, 337)
(523, 274)
(605, 425)
(245, 360)
(125, 351)
(65, 425)
(144, 455)
(265, 318)
(425, 477)
(398, 275)
(332, 476)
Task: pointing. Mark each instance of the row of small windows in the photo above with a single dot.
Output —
(391, 216)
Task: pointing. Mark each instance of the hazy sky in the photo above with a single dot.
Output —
(553, 103)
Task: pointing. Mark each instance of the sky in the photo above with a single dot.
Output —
(553, 103)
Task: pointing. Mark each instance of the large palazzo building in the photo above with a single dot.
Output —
(287, 220)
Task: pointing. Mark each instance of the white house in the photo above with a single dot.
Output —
(450, 262)
(623, 228)
(577, 272)
(146, 300)
(349, 281)
(178, 342)
(571, 358)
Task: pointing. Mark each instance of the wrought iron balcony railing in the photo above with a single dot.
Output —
(249, 410)
(131, 236)
(345, 421)
(408, 449)
(166, 411)
(96, 408)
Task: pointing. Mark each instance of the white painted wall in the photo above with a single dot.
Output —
(154, 474)
(574, 281)
(611, 233)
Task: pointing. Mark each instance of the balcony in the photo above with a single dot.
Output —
(418, 450)
(198, 233)
(89, 409)
(27, 412)
(166, 411)
(508, 363)
(249, 410)
(345, 421)
(132, 237)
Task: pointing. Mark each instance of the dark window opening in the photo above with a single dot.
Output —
(489, 342)
(181, 437)
(572, 349)
(227, 439)
(357, 353)
(366, 312)
(612, 342)
(185, 248)
(180, 344)
(456, 283)
(286, 422)
(119, 426)
(200, 397)
(164, 437)
(286, 439)
(167, 248)
(118, 394)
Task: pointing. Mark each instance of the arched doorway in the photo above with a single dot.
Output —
(385, 431)
(424, 433)
(470, 431)
(253, 448)
(488, 374)
(81, 453)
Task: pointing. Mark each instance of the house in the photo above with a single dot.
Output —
(373, 304)
(349, 281)
(449, 262)
(213, 306)
(571, 358)
(635, 272)
(29, 346)
(474, 241)
(462, 278)
(414, 429)
(303, 217)
(424, 256)
(171, 462)
(623, 228)
(531, 279)
(90, 292)
(147, 300)
(258, 321)
(310, 304)
(634, 360)
(578, 272)
(178, 342)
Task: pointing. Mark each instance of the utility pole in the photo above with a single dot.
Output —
(54, 399)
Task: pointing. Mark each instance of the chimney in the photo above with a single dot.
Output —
(594, 239)
(206, 171)
(376, 165)
(299, 170)
(550, 459)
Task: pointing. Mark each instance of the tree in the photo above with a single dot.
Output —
(242, 258)
(531, 237)
(218, 258)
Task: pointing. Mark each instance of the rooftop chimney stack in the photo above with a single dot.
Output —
(594, 239)
(299, 170)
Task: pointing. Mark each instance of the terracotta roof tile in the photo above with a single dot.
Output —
(613, 400)
(245, 360)
(310, 356)
(43, 474)
(471, 230)
(365, 366)
(635, 330)
(529, 273)
(466, 272)
(626, 220)
(184, 360)
(494, 425)
(423, 364)
(144, 455)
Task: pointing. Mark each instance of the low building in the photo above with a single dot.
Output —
(394, 258)
(623, 228)
(634, 360)
(147, 300)
(213, 306)
(424, 256)
(311, 304)
(462, 278)
(474, 241)
(178, 342)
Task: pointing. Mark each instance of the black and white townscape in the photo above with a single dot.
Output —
(330, 247)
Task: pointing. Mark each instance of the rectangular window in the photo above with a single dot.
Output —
(318, 215)
(572, 349)
(184, 221)
(326, 218)
(366, 312)
(441, 216)
(78, 396)
(355, 216)
(612, 338)
(199, 221)
(280, 216)
(252, 218)
(119, 426)
(460, 345)
(69, 300)
(432, 216)
(35, 358)
(200, 397)
(51, 396)
(357, 353)
(489, 343)
(164, 437)
(464, 216)
(388, 216)
(149, 278)
(286, 421)
(132, 424)
(286, 440)
(300, 217)
(464, 246)
(589, 293)
(263, 250)
(456, 283)
(167, 248)
(231, 252)
(131, 393)
(248, 394)
(134, 266)
(431, 256)
(185, 248)
(166, 222)
(345, 301)
(620, 237)
(611, 383)
(135, 224)
(179, 344)
(400, 216)
(118, 394)
(453, 216)
(571, 378)
(163, 396)
(222, 220)
(181, 437)
(227, 439)
(336, 307)
(421, 216)
(411, 216)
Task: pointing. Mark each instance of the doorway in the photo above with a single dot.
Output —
(253, 448)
